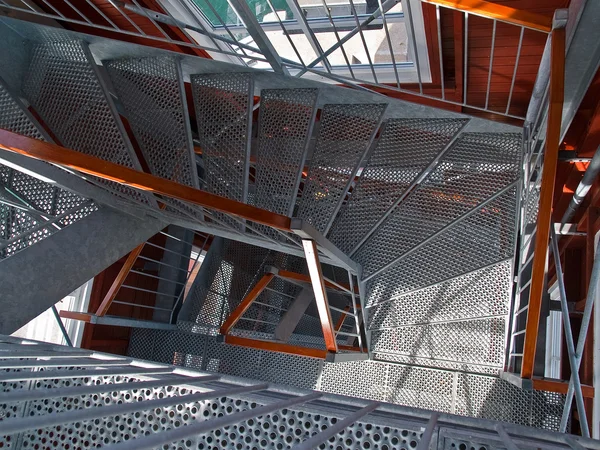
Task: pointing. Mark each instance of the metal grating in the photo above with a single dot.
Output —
(62, 86)
(476, 167)
(13, 118)
(461, 393)
(151, 91)
(406, 147)
(420, 388)
(482, 293)
(285, 127)
(497, 399)
(481, 239)
(470, 341)
(262, 365)
(344, 138)
(223, 105)
(364, 379)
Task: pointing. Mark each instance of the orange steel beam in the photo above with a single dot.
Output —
(119, 280)
(560, 386)
(318, 285)
(91, 165)
(276, 347)
(246, 303)
(84, 317)
(538, 273)
(499, 12)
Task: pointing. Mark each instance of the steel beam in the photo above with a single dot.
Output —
(292, 317)
(16, 143)
(318, 284)
(538, 272)
(258, 35)
(575, 380)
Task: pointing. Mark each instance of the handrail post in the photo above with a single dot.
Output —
(555, 108)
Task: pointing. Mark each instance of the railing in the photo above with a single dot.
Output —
(355, 345)
(479, 82)
(536, 207)
(152, 273)
(169, 404)
(538, 233)
(302, 234)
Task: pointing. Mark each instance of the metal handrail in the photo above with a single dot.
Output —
(243, 53)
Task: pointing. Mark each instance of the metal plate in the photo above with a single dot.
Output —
(476, 167)
(481, 293)
(405, 148)
(481, 239)
(469, 341)
(345, 135)
(284, 130)
(13, 118)
(151, 91)
(420, 388)
(497, 399)
(223, 105)
(364, 379)
(62, 86)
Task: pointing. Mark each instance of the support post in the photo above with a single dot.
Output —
(292, 316)
(318, 284)
(569, 338)
(557, 82)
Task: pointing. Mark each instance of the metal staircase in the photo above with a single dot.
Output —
(421, 205)
(59, 397)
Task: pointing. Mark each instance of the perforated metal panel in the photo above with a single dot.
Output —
(63, 88)
(11, 410)
(262, 365)
(151, 91)
(344, 138)
(477, 166)
(285, 127)
(17, 225)
(405, 148)
(364, 379)
(421, 388)
(223, 104)
(13, 118)
(494, 398)
(469, 341)
(481, 239)
(474, 395)
(485, 292)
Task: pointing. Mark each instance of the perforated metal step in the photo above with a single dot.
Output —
(223, 105)
(345, 136)
(475, 168)
(285, 127)
(19, 228)
(151, 91)
(64, 88)
(484, 237)
(405, 148)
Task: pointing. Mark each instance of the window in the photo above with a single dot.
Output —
(366, 56)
